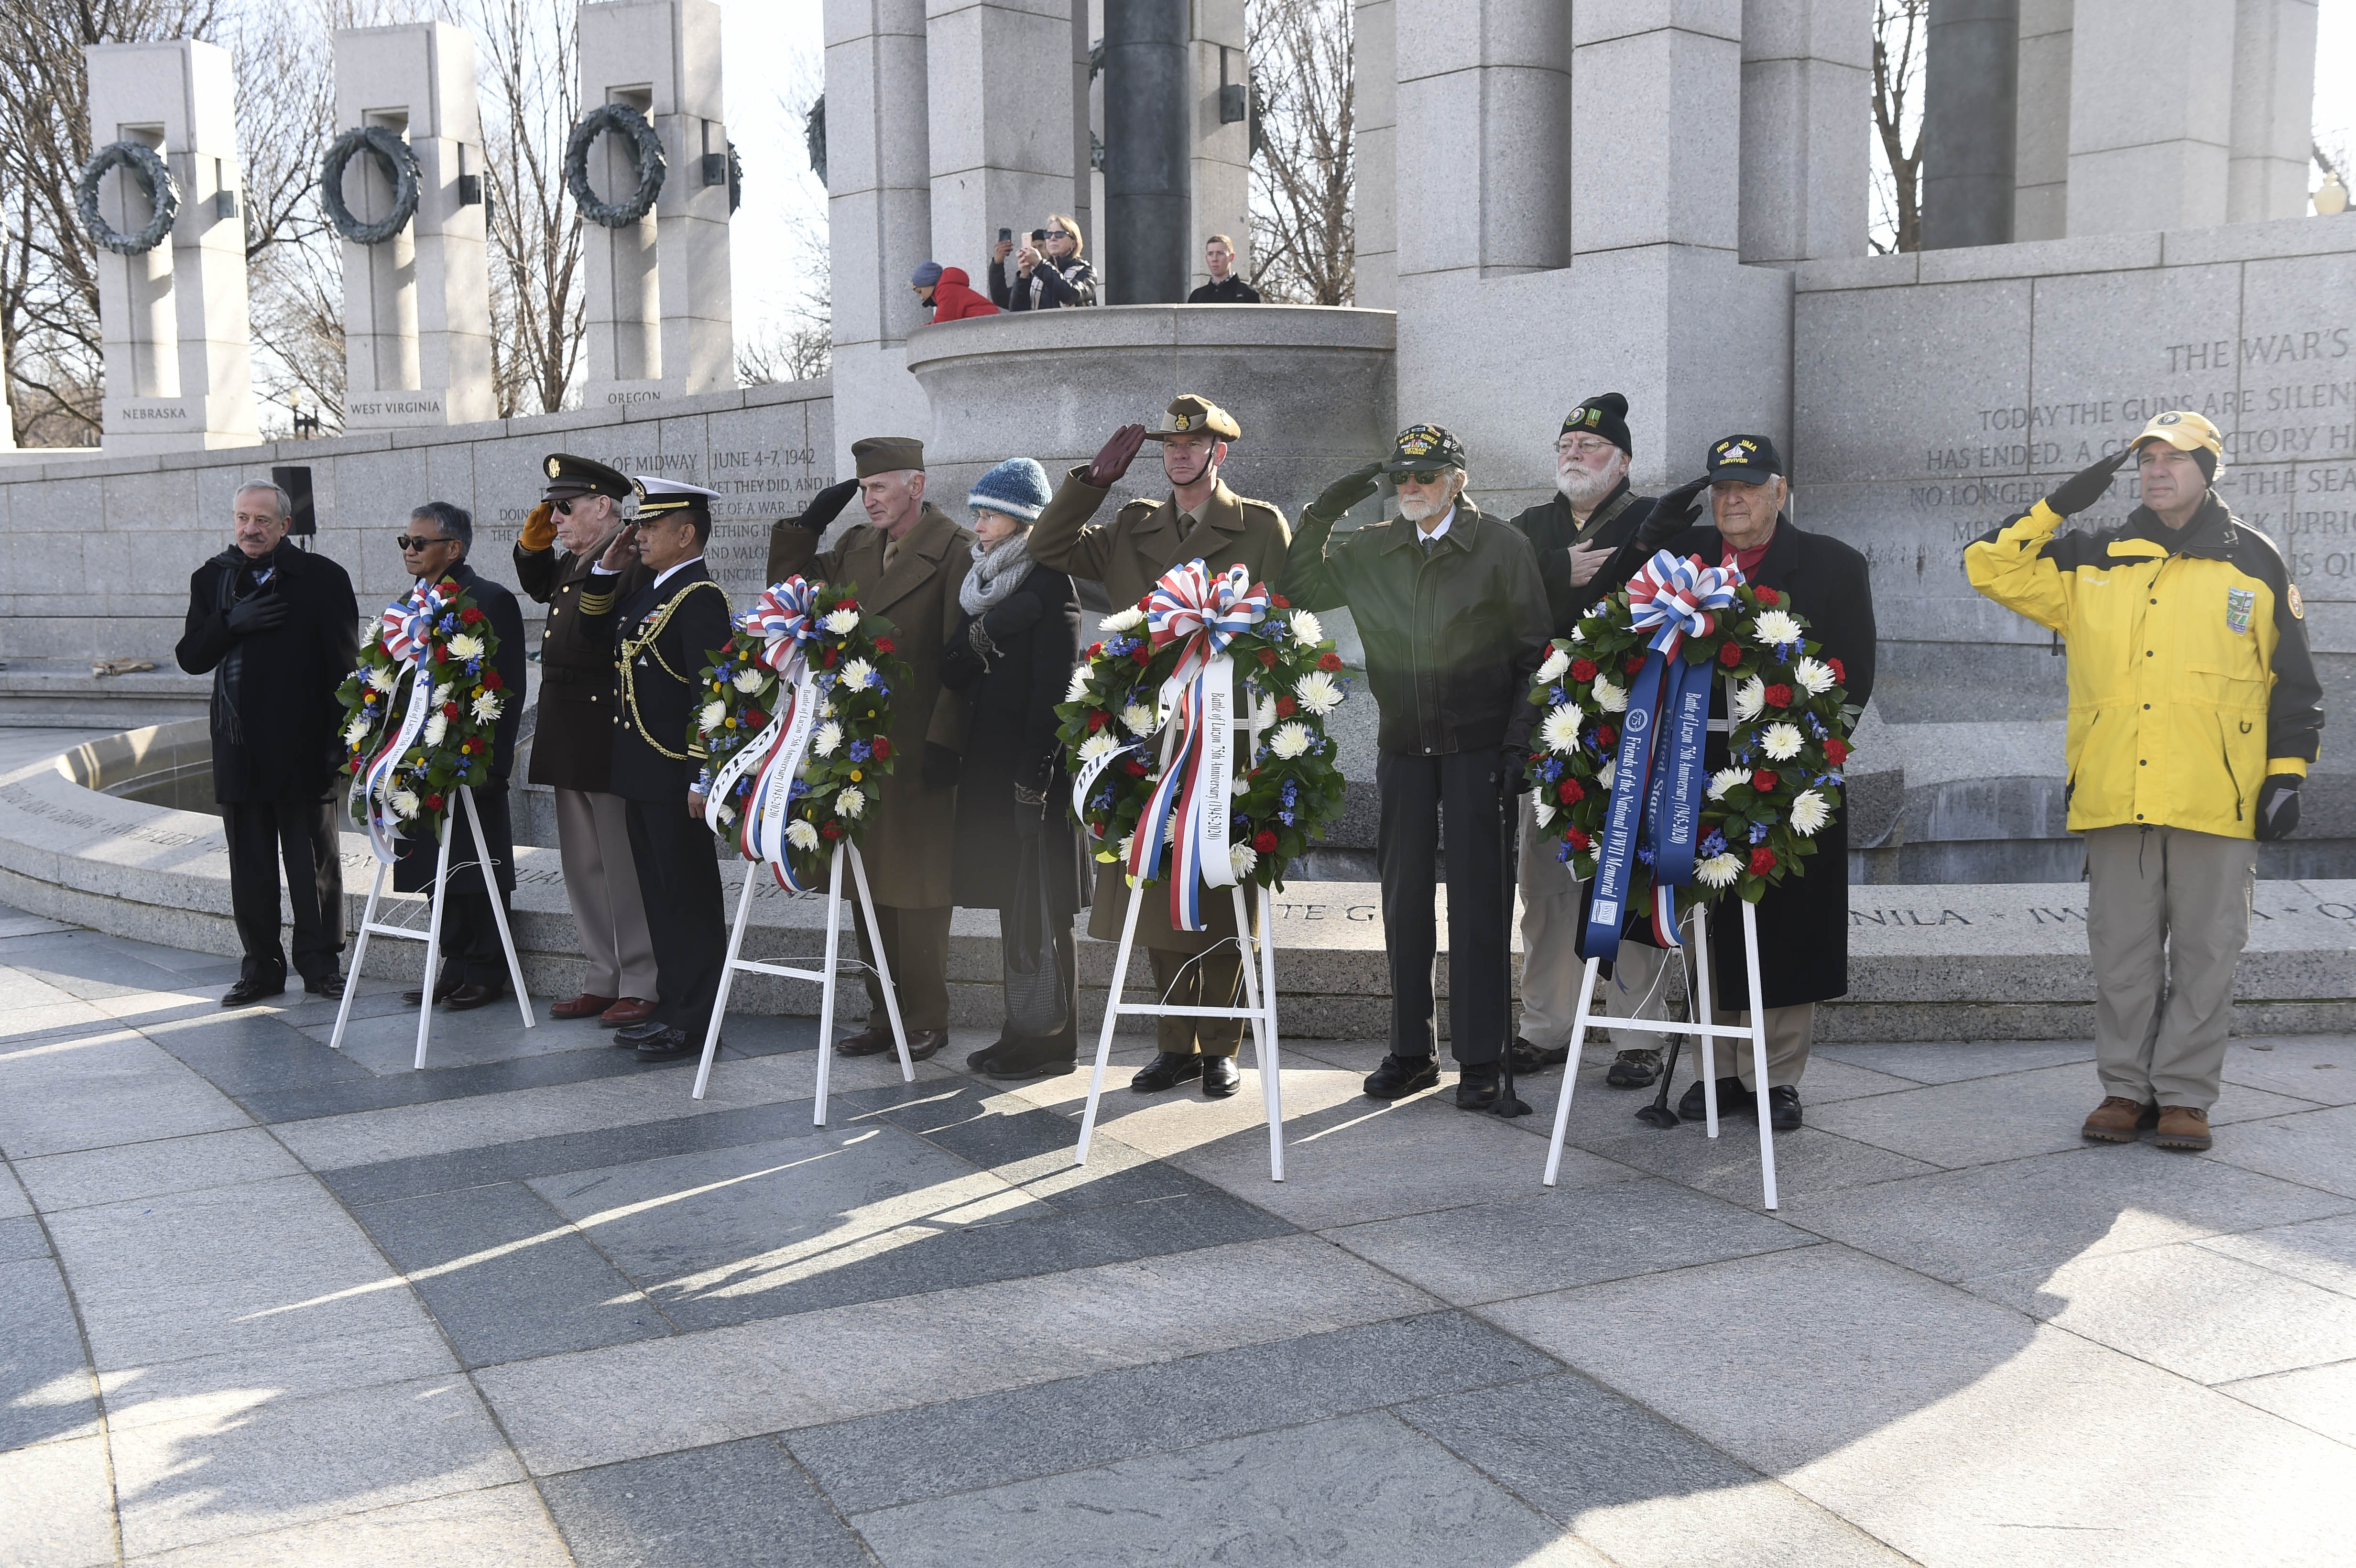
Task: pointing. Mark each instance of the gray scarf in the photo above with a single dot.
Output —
(998, 570)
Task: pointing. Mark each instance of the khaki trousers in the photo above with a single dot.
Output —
(916, 943)
(1551, 966)
(2167, 915)
(601, 882)
(1791, 1031)
(1212, 980)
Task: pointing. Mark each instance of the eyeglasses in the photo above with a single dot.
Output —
(409, 542)
(1421, 477)
(1585, 446)
(563, 508)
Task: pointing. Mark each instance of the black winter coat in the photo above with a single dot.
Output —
(1010, 741)
(1554, 530)
(277, 727)
(1803, 921)
(572, 746)
(1050, 284)
(414, 871)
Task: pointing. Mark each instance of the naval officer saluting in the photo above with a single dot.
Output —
(663, 633)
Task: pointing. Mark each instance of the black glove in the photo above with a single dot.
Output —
(826, 506)
(2278, 806)
(2086, 486)
(1671, 516)
(940, 770)
(1347, 491)
(259, 614)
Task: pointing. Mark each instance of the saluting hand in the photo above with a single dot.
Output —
(827, 505)
(2086, 486)
(1671, 515)
(1347, 491)
(623, 550)
(1116, 455)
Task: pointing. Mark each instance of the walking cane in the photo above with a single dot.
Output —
(1506, 1105)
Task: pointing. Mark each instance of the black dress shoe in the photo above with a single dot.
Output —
(245, 993)
(872, 1040)
(1476, 1085)
(1731, 1097)
(1220, 1077)
(1399, 1076)
(639, 1034)
(1784, 1107)
(467, 997)
(1018, 1061)
(665, 1045)
(1166, 1071)
(451, 980)
(1637, 1069)
(330, 986)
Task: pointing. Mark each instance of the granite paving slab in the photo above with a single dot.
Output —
(2320, 1252)
(47, 1394)
(2321, 1068)
(2317, 1148)
(2322, 1399)
(505, 1524)
(57, 1509)
(152, 1169)
(734, 1505)
(101, 1090)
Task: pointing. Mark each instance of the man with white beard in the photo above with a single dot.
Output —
(1591, 513)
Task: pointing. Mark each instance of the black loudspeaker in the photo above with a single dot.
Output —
(296, 482)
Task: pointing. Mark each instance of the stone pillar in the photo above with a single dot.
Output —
(659, 318)
(2151, 116)
(2274, 100)
(1807, 84)
(2040, 151)
(1483, 117)
(999, 73)
(1374, 62)
(1970, 74)
(1219, 179)
(879, 213)
(179, 370)
(1656, 121)
(417, 307)
(1149, 151)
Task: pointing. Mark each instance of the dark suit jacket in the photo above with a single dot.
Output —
(277, 727)
(573, 748)
(656, 754)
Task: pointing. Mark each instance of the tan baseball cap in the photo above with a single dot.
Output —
(2184, 430)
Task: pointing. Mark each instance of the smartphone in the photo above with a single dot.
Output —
(1006, 234)
(1038, 236)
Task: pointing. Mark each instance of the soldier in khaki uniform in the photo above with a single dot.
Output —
(1202, 519)
(907, 563)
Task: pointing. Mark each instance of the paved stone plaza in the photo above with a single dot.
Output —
(534, 1305)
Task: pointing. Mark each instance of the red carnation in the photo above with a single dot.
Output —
(1731, 655)
(1096, 650)
(1770, 598)
(433, 803)
(1268, 658)
(755, 718)
(846, 603)
(449, 711)
(491, 681)
(827, 659)
(1762, 860)
(883, 748)
(1329, 661)
(1097, 719)
(1605, 735)
(1582, 670)
(1837, 752)
(469, 616)
(1265, 841)
(887, 645)
(1143, 655)
(1576, 840)
(1280, 601)
(1632, 664)
(832, 830)
(1779, 696)
(1569, 792)
(1764, 780)
(1286, 707)
(1840, 674)
(1136, 769)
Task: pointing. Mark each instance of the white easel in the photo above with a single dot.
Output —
(432, 935)
(825, 977)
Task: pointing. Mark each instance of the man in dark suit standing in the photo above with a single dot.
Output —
(663, 634)
(572, 747)
(474, 963)
(278, 630)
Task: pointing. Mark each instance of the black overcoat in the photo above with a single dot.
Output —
(414, 871)
(655, 754)
(1804, 920)
(277, 727)
(572, 745)
(1554, 530)
(1011, 742)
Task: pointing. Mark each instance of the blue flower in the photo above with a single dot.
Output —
(1285, 817)
(1757, 833)
(798, 790)
(859, 751)
(1556, 697)
(1714, 845)
(1644, 855)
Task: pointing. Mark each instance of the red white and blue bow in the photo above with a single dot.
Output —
(785, 621)
(1202, 614)
(409, 622)
(1672, 597)
(408, 625)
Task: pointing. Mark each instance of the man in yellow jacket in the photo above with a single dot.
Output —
(2194, 711)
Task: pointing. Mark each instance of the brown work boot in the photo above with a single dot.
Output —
(2119, 1120)
(2183, 1127)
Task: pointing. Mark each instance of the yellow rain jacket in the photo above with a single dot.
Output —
(2189, 678)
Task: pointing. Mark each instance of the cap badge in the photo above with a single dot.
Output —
(2169, 419)
(1182, 421)
(555, 469)
(1594, 416)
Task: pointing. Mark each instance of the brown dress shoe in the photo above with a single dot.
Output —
(451, 980)
(872, 1040)
(2119, 1120)
(924, 1043)
(583, 1006)
(2183, 1127)
(469, 997)
(628, 1011)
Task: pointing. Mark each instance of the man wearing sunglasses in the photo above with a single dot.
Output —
(1455, 623)
(573, 748)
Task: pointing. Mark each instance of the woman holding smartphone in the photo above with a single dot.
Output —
(1047, 270)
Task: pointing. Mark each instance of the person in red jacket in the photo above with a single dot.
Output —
(950, 291)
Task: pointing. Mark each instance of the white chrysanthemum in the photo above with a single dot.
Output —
(1810, 812)
(856, 675)
(710, 718)
(1775, 626)
(1717, 872)
(1609, 698)
(487, 707)
(1305, 627)
(828, 738)
(355, 732)
(1544, 811)
(841, 623)
(1263, 712)
(1782, 741)
(380, 677)
(721, 815)
(375, 635)
(1138, 718)
(1559, 733)
(404, 804)
(1579, 634)
(851, 802)
(747, 681)
(800, 835)
(1127, 839)
(1815, 675)
(465, 645)
(1078, 690)
(1603, 774)
(1242, 857)
(1750, 698)
(1290, 741)
(1726, 779)
(1123, 620)
(1096, 746)
(1319, 692)
(436, 728)
(1170, 829)
(1557, 662)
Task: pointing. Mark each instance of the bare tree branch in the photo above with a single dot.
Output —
(1303, 171)
(1901, 30)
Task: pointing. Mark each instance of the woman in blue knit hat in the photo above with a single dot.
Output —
(1017, 851)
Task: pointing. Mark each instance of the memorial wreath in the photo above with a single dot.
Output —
(1166, 671)
(1642, 663)
(423, 707)
(796, 727)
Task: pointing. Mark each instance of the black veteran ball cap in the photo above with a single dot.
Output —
(1425, 449)
(1604, 414)
(1749, 459)
(570, 477)
(1191, 415)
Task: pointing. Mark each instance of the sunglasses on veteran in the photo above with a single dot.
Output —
(410, 543)
(1426, 477)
